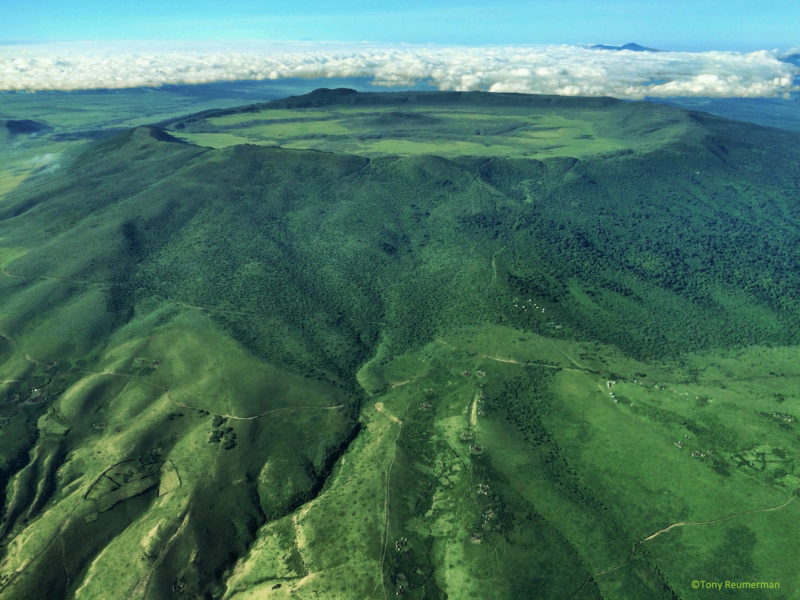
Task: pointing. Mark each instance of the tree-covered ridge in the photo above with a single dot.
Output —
(701, 232)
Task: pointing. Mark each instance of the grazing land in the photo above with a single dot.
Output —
(418, 345)
(512, 128)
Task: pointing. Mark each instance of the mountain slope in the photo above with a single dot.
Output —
(244, 371)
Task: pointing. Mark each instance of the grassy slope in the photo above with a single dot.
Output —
(429, 123)
(189, 334)
(70, 119)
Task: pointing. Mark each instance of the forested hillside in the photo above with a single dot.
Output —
(255, 371)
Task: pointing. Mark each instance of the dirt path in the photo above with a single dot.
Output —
(725, 518)
(4, 272)
(619, 566)
(392, 418)
(505, 360)
(269, 412)
(568, 357)
(577, 368)
(653, 536)
(535, 364)
(208, 308)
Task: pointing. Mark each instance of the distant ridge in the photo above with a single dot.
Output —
(633, 47)
(341, 96)
(325, 96)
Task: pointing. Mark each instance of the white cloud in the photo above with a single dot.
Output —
(564, 70)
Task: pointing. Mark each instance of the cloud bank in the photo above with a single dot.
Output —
(562, 70)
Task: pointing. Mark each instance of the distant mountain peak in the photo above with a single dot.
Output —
(633, 47)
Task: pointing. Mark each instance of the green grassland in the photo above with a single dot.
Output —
(493, 466)
(70, 119)
(22, 157)
(513, 129)
(70, 112)
(244, 371)
(74, 118)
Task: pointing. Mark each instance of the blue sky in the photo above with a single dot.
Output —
(673, 24)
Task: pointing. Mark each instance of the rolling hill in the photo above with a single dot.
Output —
(434, 345)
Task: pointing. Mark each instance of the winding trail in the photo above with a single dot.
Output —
(567, 356)
(536, 364)
(578, 368)
(269, 412)
(208, 309)
(725, 518)
(656, 534)
(4, 272)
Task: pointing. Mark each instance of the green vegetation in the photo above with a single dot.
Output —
(422, 363)
(434, 124)
(40, 132)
